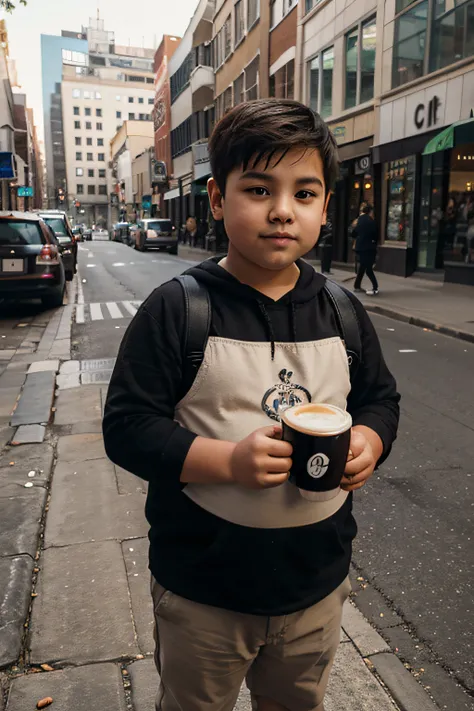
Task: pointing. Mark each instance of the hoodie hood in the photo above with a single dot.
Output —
(309, 284)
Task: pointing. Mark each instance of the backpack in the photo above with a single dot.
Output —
(198, 311)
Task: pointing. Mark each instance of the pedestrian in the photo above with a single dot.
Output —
(325, 245)
(366, 250)
(248, 577)
(191, 231)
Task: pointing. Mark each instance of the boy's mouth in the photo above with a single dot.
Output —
(280, 238)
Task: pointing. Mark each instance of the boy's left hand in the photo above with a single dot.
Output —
(365, 450)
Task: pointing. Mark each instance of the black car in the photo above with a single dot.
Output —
(156, 233)
(121, 232)
(59, 223)
(31, 264)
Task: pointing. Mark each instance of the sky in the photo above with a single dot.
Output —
(136, 22)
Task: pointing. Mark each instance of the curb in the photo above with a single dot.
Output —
(419, 322)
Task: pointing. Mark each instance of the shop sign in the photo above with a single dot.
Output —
(6, 166)
(201, 160)
(339, 132)
(25, 191)
(146, 202)
(427, 116)
(363, 165)
(159, 171)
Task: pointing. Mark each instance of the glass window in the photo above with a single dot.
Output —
(239, 90)
(89, 141)
(90, 156)
(449, 41)
(102, 173)
(101, 156)
(77, 140)
(141, 100)
(251, 80)
(77, 124)
(400, 182)
(102, 189)
(118, 97)
(91, 189)
(142, 117)
(78, 155)
(352, 64)
(79, 172)
(253, 12)
(87, 95)
(76, 111)
(239, 21)
(90, 173)
(118, 114)
(227, 38)
(131, 117)
(88, 125)
(98, 113)
(309, 4)
(76, 93)
(273, 13)
(100, 141)
(409, 45)
(151, 100)
(131, 99)
(98, 95)
(87, 111)
(98, 126)
(328, 69)
(19, 233)
(367, 61)
(79, 189)
(402, 5)
(314, 83)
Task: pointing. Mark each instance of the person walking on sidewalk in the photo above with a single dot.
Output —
(366, 249)
(248, 577)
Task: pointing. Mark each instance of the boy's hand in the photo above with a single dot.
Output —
(261, 460)
(365, 450)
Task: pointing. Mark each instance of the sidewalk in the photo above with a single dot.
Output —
(447, 308)
(87, 641)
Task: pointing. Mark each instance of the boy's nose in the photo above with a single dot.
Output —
(281, 211)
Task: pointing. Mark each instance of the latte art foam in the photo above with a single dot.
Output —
(318, 419)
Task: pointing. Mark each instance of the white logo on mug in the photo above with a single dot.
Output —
(317, 466)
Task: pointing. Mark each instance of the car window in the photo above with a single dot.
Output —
(58, 226)
(160, 225)
(20, 233)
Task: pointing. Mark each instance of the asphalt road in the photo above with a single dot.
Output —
(415, 516)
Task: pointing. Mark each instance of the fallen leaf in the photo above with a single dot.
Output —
(47, 701)
(46, 667)
(34, 594)
(12, 464)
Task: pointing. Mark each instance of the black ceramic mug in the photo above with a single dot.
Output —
(320, 435)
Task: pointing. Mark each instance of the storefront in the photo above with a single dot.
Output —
(425, 176)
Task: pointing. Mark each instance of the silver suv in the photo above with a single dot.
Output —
(156, 233)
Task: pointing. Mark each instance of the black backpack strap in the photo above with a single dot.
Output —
(197, 305)
(348, 324)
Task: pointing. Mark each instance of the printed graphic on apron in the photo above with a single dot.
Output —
(283, 395)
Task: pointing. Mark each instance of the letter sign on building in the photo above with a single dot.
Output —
(422, 119)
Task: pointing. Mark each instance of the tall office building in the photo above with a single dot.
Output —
(99, 88)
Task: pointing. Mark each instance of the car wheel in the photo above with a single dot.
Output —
(174, 250)
(54, 299)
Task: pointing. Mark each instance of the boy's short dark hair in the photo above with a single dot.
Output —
(266, 128)
(367, 209)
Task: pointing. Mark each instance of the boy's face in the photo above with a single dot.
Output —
(273, 216)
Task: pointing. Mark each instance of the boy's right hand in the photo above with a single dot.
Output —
(262, 460)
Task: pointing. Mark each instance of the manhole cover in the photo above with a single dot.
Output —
(100, 364)
(96, 377)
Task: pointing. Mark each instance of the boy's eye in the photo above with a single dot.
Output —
(258, 191)
(304, 194)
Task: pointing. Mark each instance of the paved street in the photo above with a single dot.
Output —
(415, 518)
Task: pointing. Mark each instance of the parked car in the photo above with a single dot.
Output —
(87, 234)
(59, 223)
(31, 265)
(121, 232)
(156, 233)
(78, 233)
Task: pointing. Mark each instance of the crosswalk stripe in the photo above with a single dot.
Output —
(80, 317)
(129, 307)
(114, 310)
(96, 312)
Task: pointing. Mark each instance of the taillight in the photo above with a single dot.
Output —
(48, 256)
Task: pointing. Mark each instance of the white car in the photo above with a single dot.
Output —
(100, 234)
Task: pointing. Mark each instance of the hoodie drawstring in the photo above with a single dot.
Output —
(269, 325)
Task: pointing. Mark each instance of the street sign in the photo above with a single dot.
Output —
(6, 166)
(25, 191)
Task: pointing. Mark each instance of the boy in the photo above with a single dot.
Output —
(248, 577)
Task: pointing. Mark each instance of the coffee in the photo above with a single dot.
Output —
(320, 435)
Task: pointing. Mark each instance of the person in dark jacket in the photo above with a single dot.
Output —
(366, 249)
(249, 578)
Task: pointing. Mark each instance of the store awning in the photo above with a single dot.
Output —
(455, 135)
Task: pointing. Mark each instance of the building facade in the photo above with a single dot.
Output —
(133, 138)
(162, 118)
(192, 117)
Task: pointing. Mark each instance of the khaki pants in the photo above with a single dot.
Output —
(203, 653)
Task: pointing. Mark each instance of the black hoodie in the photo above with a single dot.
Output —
(255, 552)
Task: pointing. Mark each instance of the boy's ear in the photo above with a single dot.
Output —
(215, 199)
(325, 211)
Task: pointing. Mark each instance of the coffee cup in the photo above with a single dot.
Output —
(320, 434)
